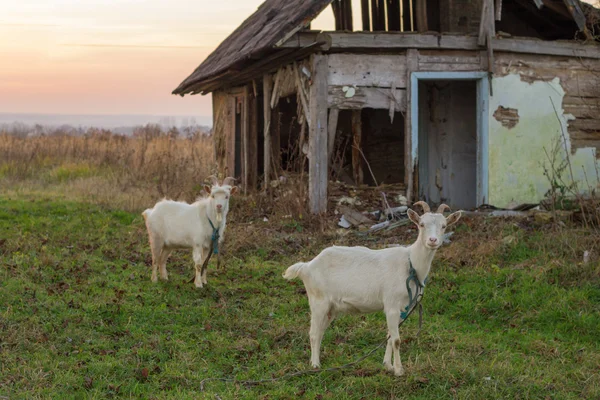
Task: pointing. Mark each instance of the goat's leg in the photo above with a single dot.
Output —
(164, 255)
(387, 358)
(197, 254)
(206, 251)
(393, 319)
(156, 247)
(319, 321)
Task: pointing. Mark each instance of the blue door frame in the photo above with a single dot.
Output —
(482, 110)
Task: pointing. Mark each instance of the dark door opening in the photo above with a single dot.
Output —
(448, 142)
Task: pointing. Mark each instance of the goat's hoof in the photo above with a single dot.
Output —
(389, 367)
(164, 278)
(399, 371)
(198, 285)
(316, 366)
(154, 279)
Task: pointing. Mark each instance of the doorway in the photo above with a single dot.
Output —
(449, 137)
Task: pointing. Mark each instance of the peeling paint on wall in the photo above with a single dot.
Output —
(508, 117)
(517, 154)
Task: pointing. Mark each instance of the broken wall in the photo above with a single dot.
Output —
(528, 113)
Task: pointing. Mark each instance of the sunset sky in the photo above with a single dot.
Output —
(112, 56)
(109, 56)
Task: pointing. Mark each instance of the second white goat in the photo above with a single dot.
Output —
(178, 225)
(360, 280)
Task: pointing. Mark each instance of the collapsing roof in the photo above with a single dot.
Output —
(255, 41)
(273, 21)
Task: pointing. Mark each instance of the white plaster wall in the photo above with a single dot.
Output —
(517, 155)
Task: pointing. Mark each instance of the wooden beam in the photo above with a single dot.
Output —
(267, 85)
(349, 25)
(483, 24)
(393, 15)
(366, 21)
(357, 171)
(394, 41)
(421, 12)
(367, 97)
(375, 15)
(318, 165)
(332, 129)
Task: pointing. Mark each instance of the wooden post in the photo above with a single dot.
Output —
(253, 139)
(375, 15)
(406, 19)
(412, 65)
(357, 147)
(332, 127)
(393, 15)
(348, 23)
(318, 165)
(381, 14)
(366, 21)
(267, 84)
(337, 15)
(245, 128)
(422, 16)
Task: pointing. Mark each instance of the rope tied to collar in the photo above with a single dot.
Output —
(413, 300)
(215, 236)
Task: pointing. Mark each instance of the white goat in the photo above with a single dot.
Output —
(178, 225)
(360, 280)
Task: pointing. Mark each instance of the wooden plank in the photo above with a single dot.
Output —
(577, 13)
(421, 12)
(381, 15)
(267, 87)
(318, 165)
(367, 70)
(412, 65)
(357, 171)
(366, 97)
(302, 93)
(366, 21)
(483, 24)
(439, 67)
(230, 158)
(406, 16)
(498, 10)
(337, 15)
(332, 128)
(393, 15)
(348, 23)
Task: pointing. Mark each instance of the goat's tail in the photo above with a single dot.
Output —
(146, 212)
(294, 271)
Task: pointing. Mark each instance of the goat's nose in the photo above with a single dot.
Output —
(433, 240)
(219, 206)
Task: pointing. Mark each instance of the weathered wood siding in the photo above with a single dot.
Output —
(579, 78)
(223, 127)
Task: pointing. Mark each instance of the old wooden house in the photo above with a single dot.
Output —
(462, 101)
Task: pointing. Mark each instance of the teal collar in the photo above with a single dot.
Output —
(215, 236)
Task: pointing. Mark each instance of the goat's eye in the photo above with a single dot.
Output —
(443, 226)
(226, 197)
(421, 225)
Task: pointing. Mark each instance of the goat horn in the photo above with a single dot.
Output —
(214, 180)
(229, 181)
(441, 208)
(423, 205)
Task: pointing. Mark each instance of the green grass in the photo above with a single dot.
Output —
(79, 318)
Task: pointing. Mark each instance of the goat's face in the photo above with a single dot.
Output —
(433, 225)
(219, 199)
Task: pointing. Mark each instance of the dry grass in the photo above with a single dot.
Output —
(129, 173)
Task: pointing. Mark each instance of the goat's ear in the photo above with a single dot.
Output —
(453, 218)
(414, 217)
(207, 189)
(233, 190)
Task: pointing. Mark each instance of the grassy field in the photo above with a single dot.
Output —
(80, 318)
(511, 311)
